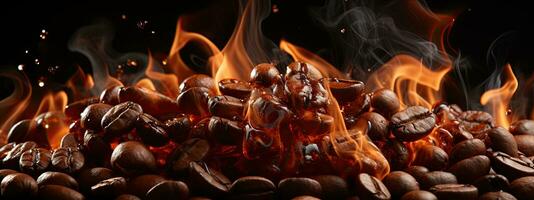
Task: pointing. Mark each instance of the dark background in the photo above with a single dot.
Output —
(475, 29)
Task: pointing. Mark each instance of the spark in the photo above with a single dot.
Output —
(41, 84)
(20, 67)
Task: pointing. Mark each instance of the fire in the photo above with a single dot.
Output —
(497, 100)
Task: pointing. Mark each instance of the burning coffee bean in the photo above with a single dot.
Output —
(510, 167)
(226, 131)
(502, 140)
(68, 159)
(379, 125)
(97, 150)
(467, 149)
(191, 151)
(400, 183)
(525, 144)
(11, 160)
(314, 123)
(432, 157)
(198, 80)
(153, 103)
(34, 161)
(419, 195)
(168, 190)
(57, 178)
(226, 106)
(195, 101)
(110, 95)
(523, 188)
(413, 123)
(500, 195)
(252, 187)
(455, 191)
(396, 153)
(58, 192)
(385, 102)
(207, 181)
(235, 88)
(300, 91)
(18, 186)
(345, 90)
(178, 128)
(293, 187)
(120, 119)
(264, 75)
(110, 187)
(74, 109)
(140, 185)
(92, 116)
(151, 130)
(522, 127)
(369, 187)
(306, 68)
(435, 178)
(491, 183)
(470, 169)
(91, 176)
(132, 158)
(478, 123)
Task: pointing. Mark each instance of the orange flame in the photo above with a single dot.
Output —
(80, 84)
(498, 99)
(13, 106)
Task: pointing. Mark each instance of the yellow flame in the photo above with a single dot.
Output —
(498, 99)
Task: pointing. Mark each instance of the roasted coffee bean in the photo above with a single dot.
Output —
(522, 127)
(140, 185)
(168, 190)
(412, 123)
(120, 119)
(18, 186)
(58, 192)
(70, 140)
(302, 92)
(432, 157)
(478, 123)
(19, 132)
(97, 150)
(34, 161)
(467, 149)
(396, 153)
(305, 197)
(400, 183)
(264, 75)
(195, 101)
(491, 183)
(419, 195)
(5, 149)
(361, 105)
(198, 80)
(151, 130)
(435, 178)
(379, 125)
(458, 134)
(345, 90)
(200, 129)
(266, 111)
(333, 187)
(152, 102)
(306, 68)
(57, 178)
(226, 131)
(127, 197)
(110, 187)
(500, 195)
(178, 128)
(385, 102)
(5, 172)
(502, 140)
(92, 116)
(314, 123)
(469, 169)
(226, 106)
(69, 160)
(418, 172)
(235, 88)
(525, 144)
(192, 150)
(74, 109)
(454, 191)
(509, 166)
(11, 160)
(523, 188)
(110, 95)
(251, 185)
(207, 181)
(132, 158)
(445, 112)
(369, 187)
(91, 176)
(289, 188)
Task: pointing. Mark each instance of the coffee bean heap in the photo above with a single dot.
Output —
(236, 139)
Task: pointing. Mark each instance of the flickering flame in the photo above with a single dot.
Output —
(497, 100)
(80, 84)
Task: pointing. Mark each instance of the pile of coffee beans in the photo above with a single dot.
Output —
(266, 138)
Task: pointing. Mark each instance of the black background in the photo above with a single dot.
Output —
(475, 29)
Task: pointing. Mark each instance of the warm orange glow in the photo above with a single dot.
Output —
(55, 125)
(13, 106)
(168, 83)
(146, 83)
(80, 84)
(497, 100)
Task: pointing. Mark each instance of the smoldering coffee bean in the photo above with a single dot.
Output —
(432, 157)
(91, 176)
(127, 197)
(58, 192)
(151, 130)
(412, 123)
(385, 102)
(226, 131)
(226, 106)
(305, 68)
(467, 149)
(110, 95)
(18, 186)
(523, 188)
(168, 190)
(500, 195)
(264, 75)
(69, 160)
(469, 169)
(369, 187)
(207, 181)
(198, 80)
(455, 191)
(152, 102)
(445, 112)
(11, 160)
(400, 183)
(57, 178)
(289, 188)
(345, 90)
(110, 187)
(178, 128)
(140, 185)
(502, 140)
(522, 127)
(120, 119)
(491, 183)
(478, 123)
(379, 125)
(235, 88)
(192, 150)
(396, 153)
(419, 195)
(509, 166)
(35, 161)
(435, 178)
(333, 187)
(194, 101)
(251, 185)
(92, 116)
(525, 144)
(132, 158)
